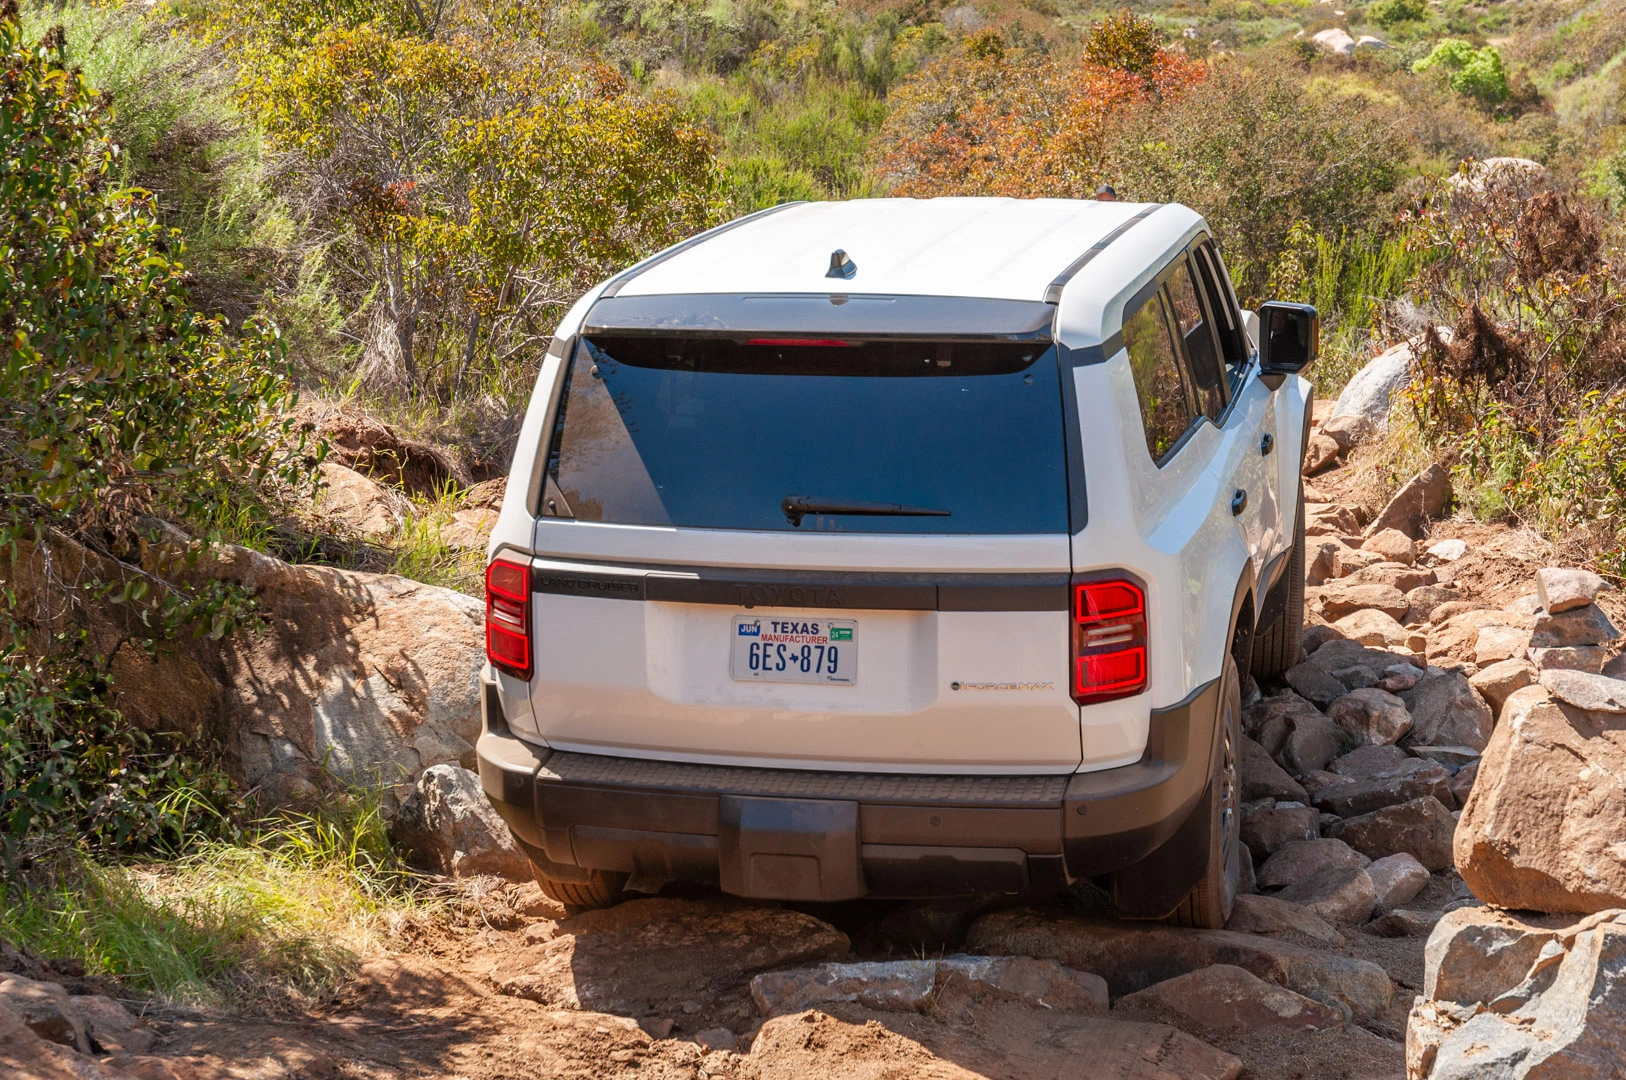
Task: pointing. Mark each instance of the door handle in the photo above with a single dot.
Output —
(1267, 444)
(1239, 502)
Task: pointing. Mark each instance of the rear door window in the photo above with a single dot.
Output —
(1227, 317)
(1202, 351)
(1165, 411)
(712, 432)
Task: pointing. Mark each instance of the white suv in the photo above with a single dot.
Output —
(899, 548)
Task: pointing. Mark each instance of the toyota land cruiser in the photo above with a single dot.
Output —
(899, 548)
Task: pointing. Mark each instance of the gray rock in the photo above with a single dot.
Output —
(1594, 693)
(1422, 828)
(1371, 716)
(1339, 894)
(1404, 922)
(1370, 391)
(1133, 956)
(1423, 600)
(910, 985)
(1616, 668)
(1411, 779)
(1228, 998)
(1448, 550)
(1447, 711)
(1262, 777)
(1536, 1000)
(1463, 783)
(717, 1038)
(1423, 498)
(112, 1026)
(1497, 682)
(1369, 762)
(1564, 589)
(892, 985)
(449, 825)
(1040, 983)
(1315, 683)
(1396, 880)
(46, 1009)
(1578, 626)
(1590, 658)
(1345, 597)
(1301, 859)
(1266, 828)
(1254, 914)
(1453, 758)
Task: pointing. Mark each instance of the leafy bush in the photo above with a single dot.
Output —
(116, 398)
(1329, 162)
(1392, 13)
(997, 118)
(1475, 73)
(472, 193)
(1527, 391)
(1125, 42)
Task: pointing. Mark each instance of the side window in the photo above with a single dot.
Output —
(1227, 318)
(1164, 411)
(1201, 348)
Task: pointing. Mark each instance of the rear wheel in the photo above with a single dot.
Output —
(601, 889)
(1276, 646)
(1210, 903)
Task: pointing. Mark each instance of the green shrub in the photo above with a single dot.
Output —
(1329, 162)
(1475, 73)
(1391, 13)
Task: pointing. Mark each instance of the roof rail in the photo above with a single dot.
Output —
(1052, 292)
(677, 249)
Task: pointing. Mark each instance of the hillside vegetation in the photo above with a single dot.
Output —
(214, 209)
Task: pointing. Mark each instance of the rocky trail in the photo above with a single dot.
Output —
(1454, 736)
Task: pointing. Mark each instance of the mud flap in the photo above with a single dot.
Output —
(788, 849)
(1153, 887)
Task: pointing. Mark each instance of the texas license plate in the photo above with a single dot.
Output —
(803, 649)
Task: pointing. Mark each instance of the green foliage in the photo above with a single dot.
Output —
(1333, 162)
(71, 767)
(1125, 42)
(473, 194)
(116, 398)
(1475, 73)
(1391, 13)
(276, 918)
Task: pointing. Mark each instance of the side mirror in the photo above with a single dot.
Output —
(1289, 340)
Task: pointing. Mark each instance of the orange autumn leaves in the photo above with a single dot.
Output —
(997, 119)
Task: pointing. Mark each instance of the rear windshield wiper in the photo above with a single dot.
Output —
(797, 507)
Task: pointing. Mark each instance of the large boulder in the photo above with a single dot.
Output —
(1370, 393)
(1229, 998)
(1563, 588)
(913, 985)
(344, 677)
(359, 502)
(1421, 828)
(1133, 956)
(1371, 716)
(1542, 829)
(1446, 710)
(1424, 498)
(449, 825)
(1520, 999)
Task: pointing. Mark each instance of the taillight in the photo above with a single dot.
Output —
(508, 617)
(1109, 640)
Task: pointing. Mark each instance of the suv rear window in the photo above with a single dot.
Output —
(716, 433)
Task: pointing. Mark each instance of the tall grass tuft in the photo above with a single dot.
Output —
(276, 920)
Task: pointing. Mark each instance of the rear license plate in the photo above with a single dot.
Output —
(812, 649)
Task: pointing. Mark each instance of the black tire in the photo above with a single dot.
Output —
(1276, 646)
(602, 889)
(1209, 905)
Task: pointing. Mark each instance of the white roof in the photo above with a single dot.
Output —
(998, 248)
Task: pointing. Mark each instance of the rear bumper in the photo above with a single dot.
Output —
(806, 835)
